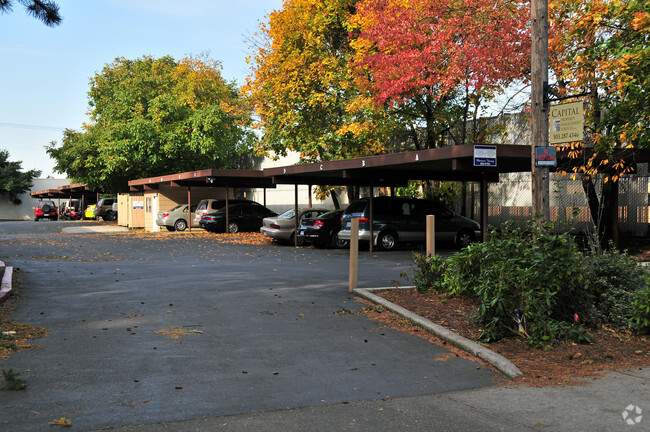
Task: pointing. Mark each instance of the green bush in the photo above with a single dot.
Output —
(12, 382)
(640, 316)
(541, 281)
(545, 289)
(527, 287)
(614, 279)
(428, 273)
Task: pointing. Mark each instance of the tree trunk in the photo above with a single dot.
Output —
(604, 211)
(335, 199)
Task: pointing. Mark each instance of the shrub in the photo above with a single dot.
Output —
(527, 287)
(12, 382)
(428, 273)
(614, 280)
(640, 316)
(545, 289)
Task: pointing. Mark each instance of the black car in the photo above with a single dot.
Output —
(244, 216)
(323, 230)
(403, 220)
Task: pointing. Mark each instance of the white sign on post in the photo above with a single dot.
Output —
(485, 155)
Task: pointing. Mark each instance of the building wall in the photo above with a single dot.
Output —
(282, 197)
(167, 197)
(25, 211)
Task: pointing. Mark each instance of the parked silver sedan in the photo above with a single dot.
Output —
(176, 218)
(283, 227)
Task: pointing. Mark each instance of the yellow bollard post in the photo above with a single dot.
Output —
(431, 235)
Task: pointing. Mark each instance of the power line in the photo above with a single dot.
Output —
(28, 126)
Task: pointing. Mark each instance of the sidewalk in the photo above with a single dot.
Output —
(598, 405)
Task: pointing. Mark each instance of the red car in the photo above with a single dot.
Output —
(46, 210)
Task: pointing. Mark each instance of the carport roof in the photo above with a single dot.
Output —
(206, 178)
(76, 190)
(446, 163)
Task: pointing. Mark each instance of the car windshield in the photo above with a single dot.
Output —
(178, 207)
(330, 214)
(287, 215)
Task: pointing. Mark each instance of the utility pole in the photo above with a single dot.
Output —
(539, 102)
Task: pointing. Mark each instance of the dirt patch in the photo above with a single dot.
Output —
(559, 366)
(15, 337)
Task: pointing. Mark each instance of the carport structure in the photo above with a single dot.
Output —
(227, 179)
(453, 163)
(78, 191)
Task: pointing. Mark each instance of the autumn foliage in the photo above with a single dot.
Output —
(335, 79)
(302, 85)
(416, 46)
(600, 47)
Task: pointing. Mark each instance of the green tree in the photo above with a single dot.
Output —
(154, 116)
(13, 182)
(46, 11)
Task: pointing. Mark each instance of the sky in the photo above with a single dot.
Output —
(45, 71)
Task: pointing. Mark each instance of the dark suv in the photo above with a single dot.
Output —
(46, 210)
(104, 209)
(403, 220)
(244, 216)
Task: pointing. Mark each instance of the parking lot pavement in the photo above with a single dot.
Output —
(144, 330)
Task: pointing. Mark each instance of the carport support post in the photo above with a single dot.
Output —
(296, 218)
(227, 230)
(431, 235)
(484, 206)
(189, 210)
(372, 218)
(354, 252)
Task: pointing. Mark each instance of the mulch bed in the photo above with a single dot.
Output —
(612, 350)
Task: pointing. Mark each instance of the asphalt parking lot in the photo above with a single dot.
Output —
(144, 330)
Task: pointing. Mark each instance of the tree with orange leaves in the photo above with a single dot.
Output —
(600, 47)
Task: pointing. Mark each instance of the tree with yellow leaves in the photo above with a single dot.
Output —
(303, 89)
(601, 47)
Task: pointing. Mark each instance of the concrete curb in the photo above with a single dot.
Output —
(498, 361)
(5, 285)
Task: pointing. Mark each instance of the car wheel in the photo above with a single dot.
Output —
(110, 216)
(45, 208)
(180, 225)
(233, 227)
(292, 240)
(36, 218)
(464, 238)
(339, 243)
(170, 228)
(387, 240)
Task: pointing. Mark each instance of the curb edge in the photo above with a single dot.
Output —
(496, 360)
